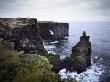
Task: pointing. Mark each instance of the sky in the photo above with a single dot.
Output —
(57, 10)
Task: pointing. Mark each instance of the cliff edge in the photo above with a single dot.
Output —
(22, 34)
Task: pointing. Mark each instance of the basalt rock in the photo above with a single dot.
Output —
(23, 32)
(83, 48)
(80, 58)
(53, 30)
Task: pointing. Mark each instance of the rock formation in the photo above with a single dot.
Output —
(53, 30)
(80, 58)
(23, 32)
(83, 48)
(24, 35)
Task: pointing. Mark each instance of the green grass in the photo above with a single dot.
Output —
(20, 67)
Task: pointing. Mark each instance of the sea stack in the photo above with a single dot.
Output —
(83, 49)
(80, 58)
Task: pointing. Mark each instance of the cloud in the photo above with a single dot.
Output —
(60, 10)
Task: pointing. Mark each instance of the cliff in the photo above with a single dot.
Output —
(20, 67)
(53, 30)
(23, 32)
(80, 58)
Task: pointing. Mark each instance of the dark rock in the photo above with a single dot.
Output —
(80, 58)
(83, 48)
(23, 32)
(53, 30)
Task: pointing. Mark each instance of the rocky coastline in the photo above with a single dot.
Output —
(80, 58)
(27, 35)
(23, 32)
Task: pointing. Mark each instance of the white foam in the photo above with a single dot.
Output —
(92, 74)
(96, 57)
(51, 32)
(54, 42)
(62, 57)
(49, 47)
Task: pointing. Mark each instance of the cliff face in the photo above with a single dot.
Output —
(53, 31)
(80, 58)
(23, 32)
(81, 54)
(83, 48)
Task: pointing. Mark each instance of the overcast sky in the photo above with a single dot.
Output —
(57, 10)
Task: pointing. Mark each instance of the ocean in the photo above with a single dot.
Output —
(99, 33)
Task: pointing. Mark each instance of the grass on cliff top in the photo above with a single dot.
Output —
(19, 67)
(52, 57)
(37, 69)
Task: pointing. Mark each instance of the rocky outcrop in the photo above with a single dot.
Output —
(83, 48)
(80, 58)
(53, 30)
(23, 32)
(20, 67)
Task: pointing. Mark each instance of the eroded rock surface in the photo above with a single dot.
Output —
(23, 32)
(80, 58)
(53, 30)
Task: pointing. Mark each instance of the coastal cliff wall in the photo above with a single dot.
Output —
(23, 33)
(53, 30)
(26, 33)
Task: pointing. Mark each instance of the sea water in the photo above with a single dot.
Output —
(99, 33)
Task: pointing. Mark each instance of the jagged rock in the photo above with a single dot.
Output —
(80, 58)
(53, 30)
(23, 32)
(83, 48)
